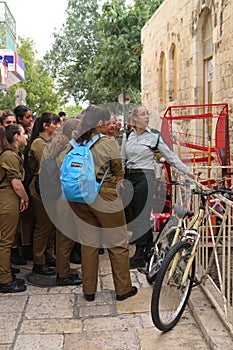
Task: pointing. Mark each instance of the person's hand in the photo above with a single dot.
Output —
(191, 175)
(162, 160)
(23, 205)
(120, 185)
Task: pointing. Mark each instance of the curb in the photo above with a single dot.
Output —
(214, 331)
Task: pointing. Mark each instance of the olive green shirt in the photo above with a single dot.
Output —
(106, 152)
(11, 165)
(35, 153)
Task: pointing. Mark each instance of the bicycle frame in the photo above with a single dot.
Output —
(176, 275)
(192, 236)
(178, 229)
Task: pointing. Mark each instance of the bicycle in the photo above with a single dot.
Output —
(176, 275)
(166, 237)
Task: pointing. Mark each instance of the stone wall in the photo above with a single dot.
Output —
(179, 23)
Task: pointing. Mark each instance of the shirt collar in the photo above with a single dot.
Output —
(147, 129)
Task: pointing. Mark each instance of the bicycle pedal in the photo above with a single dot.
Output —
(142, 270)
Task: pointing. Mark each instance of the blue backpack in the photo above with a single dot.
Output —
(78, 178)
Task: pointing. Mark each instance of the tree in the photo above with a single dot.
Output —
(118, 65)
(74, 49)
(98, 53)
(73, 111)
(41, 94)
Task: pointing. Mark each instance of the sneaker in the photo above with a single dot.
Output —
(122, 297)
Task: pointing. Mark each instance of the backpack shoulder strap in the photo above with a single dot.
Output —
(127, 133)
(94, 139)
(73, 143)
(155, 131)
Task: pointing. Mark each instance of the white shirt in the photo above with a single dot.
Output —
(137, 152)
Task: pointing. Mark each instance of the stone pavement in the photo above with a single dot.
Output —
(59, 318)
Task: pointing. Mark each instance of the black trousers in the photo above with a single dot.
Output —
(138, 203)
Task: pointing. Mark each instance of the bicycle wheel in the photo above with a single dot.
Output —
(168, 298)
(155, 261)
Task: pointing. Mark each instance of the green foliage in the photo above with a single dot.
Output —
(41, 95)
(74, 50)
(73, 111)
(97, 53)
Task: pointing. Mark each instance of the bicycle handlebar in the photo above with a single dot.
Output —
(214, 191)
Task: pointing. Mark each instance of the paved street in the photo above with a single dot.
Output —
(59, 318)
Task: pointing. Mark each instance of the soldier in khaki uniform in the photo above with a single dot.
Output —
(104, 220)
(7, 117)
(44, 232)
(26, 226)
(14, 200)
(59, 211)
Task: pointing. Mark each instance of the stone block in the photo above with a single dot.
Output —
(39, 342)
(51, 326)
(8, 327)
(50, 306)
(117, 340)
(139, 303)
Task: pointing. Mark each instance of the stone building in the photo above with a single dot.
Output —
(187, 55)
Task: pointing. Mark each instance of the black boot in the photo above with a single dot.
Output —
(17, 257)
(75, 255)
(138, 259)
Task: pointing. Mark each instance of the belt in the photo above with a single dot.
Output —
(108, 185)
(139, 171)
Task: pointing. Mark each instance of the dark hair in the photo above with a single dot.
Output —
(20, 111)
(62, 114)
(38, 126)
(6, 113)
(90, 120)
(7, 136)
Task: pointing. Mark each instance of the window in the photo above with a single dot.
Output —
(162, 78)
(173, 83)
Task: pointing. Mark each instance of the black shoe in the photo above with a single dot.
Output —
(16, 257)
(89, 297)
(43, 270)
(101, 251)
(15, 270)
(75, 257)
(136, 261)
(19, 280)
(51, 262)
(122, 297)
(72, 280)
(12, 287)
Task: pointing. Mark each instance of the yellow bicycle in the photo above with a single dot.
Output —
(176, 276)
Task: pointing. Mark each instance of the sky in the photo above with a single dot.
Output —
(38, 19)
